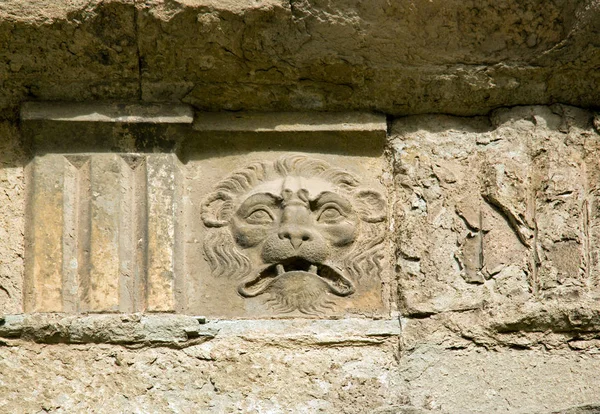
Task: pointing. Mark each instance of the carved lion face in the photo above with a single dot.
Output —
(297, 230)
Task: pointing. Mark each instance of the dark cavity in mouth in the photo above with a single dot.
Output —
(337, 283)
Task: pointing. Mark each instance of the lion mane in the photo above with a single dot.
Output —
(365, 256)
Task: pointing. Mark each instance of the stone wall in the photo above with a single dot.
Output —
(462, 142)
(493, 221)
(398, 58)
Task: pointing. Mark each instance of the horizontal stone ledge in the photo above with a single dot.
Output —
(352, 331)
(125, 329)
(107, 112)
(181, 330)
(91, 127)
(291, 122)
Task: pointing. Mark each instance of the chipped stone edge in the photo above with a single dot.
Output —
(180, 331)
(107, 112)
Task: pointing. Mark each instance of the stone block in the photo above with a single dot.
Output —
(229, 219)
(495, 213)
(103, 220)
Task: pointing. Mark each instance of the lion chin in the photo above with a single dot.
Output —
(297, 284)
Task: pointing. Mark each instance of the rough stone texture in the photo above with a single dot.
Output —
(68, 50)
(227, 376)
(497, 270)
(112, 219)
(182, 331)
(176, 331)
(496, 210)
(398, 58)
(475, 381)
(496, 223)
(495, 217)
(12, 221)
(250, 372)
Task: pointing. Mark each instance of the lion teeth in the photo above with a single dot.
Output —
(280, 269)
(313, 269)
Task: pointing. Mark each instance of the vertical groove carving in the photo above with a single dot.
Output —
(140, 235)
(535, 258)
(586, 243)
(180, 295)
(132, 237)
(102, 233)
(118, 240)
(75, 231)
(84, 222)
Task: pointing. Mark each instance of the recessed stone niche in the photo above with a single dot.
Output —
(144, 208)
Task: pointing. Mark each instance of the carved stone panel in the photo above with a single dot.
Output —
(100, 233)
(292, 234)
(223, 219)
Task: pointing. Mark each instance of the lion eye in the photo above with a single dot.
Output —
(330, 214)
(259, 216)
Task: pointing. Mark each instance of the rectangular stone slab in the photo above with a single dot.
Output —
(45, 226)
(131, 212)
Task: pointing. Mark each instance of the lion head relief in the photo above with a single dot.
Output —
(296, 230)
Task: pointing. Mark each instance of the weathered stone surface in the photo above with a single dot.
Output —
(164, 229)
(476, 381)
(245, 371)
(176, 331)
(500, 212)
(494, 221)
(45, 227)
(228, 375)
(107, 112)
(580, 410)
(265, 234)
(50, 127)
(86, 228)
(290, 235)
(12, 220)
(181, 331)
(494, 224)
(402, 58)
(367, 125)
(67, 50)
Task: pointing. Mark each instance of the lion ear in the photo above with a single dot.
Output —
(216, 209)
(371, 206)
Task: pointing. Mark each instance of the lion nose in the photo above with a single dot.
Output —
(296, 235)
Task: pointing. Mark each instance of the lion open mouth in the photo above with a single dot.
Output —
(296, 272)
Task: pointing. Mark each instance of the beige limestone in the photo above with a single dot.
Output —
(403, 57)
(493, 222)
(318, 366)
(12, 220)
(163, 227)
(107, 112)
(295, 234)
(43, 277)
(144, 231)
(500, 212)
